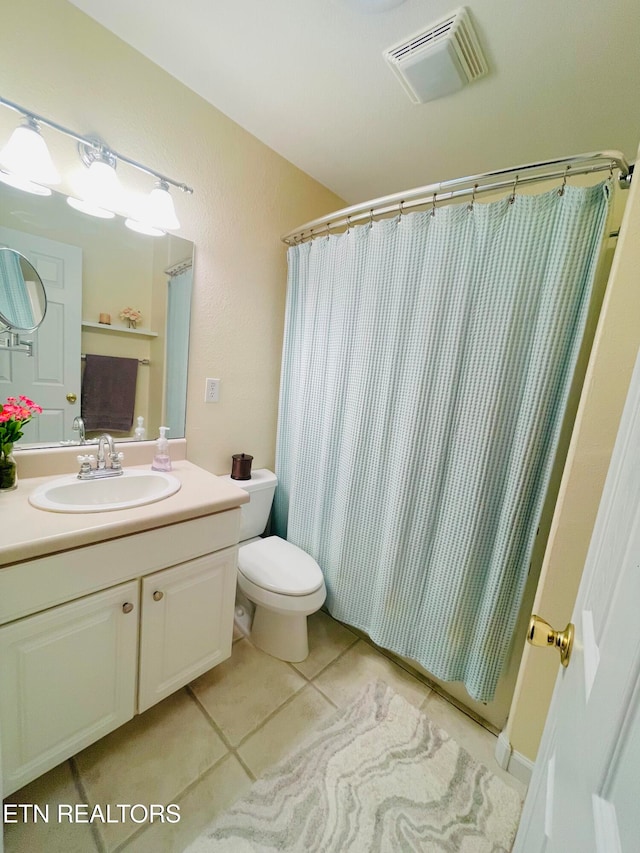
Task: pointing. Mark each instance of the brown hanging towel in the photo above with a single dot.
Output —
(109, 392)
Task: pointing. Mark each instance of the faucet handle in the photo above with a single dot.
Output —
(116, 459)
(85, 464)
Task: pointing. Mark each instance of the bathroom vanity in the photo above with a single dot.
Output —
(103, 614)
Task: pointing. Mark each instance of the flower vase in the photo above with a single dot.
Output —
(132, 323)
(8, 470)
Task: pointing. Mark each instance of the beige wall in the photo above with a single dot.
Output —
(61, 64)
(608, 376)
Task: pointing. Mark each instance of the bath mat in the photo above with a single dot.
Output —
(377, 778)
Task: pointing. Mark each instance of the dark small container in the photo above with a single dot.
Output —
(241, 466)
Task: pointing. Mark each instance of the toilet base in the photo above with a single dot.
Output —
(281, 635)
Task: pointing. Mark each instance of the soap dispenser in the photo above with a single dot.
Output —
(162, 460)
(140, 432)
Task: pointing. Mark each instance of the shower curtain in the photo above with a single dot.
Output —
(426, 367)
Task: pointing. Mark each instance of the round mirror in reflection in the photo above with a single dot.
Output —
(23, 301)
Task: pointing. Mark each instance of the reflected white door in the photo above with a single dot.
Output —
(54, 371)
(585, 791)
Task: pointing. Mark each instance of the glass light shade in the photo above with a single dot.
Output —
(23, 184)
(27, 156)
(100, 186)
(159, 211)
(144, 228)
(89, 208)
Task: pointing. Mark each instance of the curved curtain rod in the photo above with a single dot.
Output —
(578, 164)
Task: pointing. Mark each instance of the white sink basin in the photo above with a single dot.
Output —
(132, 488)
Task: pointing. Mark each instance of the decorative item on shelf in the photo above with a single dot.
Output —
(15, 412)
(105, 319)
(132, 316)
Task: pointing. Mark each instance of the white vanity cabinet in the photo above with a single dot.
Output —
(186, 623)
(97, 634)
(68, 677)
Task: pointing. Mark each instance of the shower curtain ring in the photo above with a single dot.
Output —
(512, 197)
(348, 223)
(370, 219)
(433, 205)
(564, 181)
(473, 198)
(328, 229)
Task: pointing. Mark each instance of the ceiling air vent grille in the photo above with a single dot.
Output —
(439, 60)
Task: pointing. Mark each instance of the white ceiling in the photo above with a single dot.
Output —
(307, 77)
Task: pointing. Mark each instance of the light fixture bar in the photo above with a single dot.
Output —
(91, 143)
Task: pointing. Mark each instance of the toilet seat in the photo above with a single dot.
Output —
(280, 567)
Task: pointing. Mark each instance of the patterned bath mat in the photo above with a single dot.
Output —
(377, 778)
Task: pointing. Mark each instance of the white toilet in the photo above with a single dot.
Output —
(283, 581)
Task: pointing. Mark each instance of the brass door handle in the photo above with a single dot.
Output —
(540, 633)
(71, 397)
(157, 595)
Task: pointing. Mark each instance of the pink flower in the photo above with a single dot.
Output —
(14, 414)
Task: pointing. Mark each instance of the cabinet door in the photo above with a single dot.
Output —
(67, 677)
(187, 623)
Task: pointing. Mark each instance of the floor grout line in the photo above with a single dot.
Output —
(84, 797)
(231, 749)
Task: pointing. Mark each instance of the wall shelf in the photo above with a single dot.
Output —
(120, 330)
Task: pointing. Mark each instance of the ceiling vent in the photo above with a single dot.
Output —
(439, 60)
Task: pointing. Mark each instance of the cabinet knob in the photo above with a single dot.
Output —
(158, 596)
(127, 607)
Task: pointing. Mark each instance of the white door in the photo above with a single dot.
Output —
(186, 623)
(54, 370)
(585, 790)
(67, 677)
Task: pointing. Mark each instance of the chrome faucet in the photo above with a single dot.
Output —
(107, 464)
(78, 426)
(105, 438)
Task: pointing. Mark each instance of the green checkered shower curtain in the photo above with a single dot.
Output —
(426, 367)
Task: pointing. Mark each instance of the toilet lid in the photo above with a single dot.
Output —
(277, 565)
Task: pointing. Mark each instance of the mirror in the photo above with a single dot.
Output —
(23, 301)
(92, 271)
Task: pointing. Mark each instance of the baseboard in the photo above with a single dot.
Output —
(513, 762)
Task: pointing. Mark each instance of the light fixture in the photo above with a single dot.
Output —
(156, 212)
(162, 213)
(25, 160)
(25, 163)
(100, 189)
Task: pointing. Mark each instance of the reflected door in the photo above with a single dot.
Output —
(52, 376)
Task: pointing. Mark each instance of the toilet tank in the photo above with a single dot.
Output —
(255, 514)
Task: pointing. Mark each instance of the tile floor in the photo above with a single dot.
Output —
(203, 747)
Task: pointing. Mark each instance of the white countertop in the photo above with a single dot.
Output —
(27, 532)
